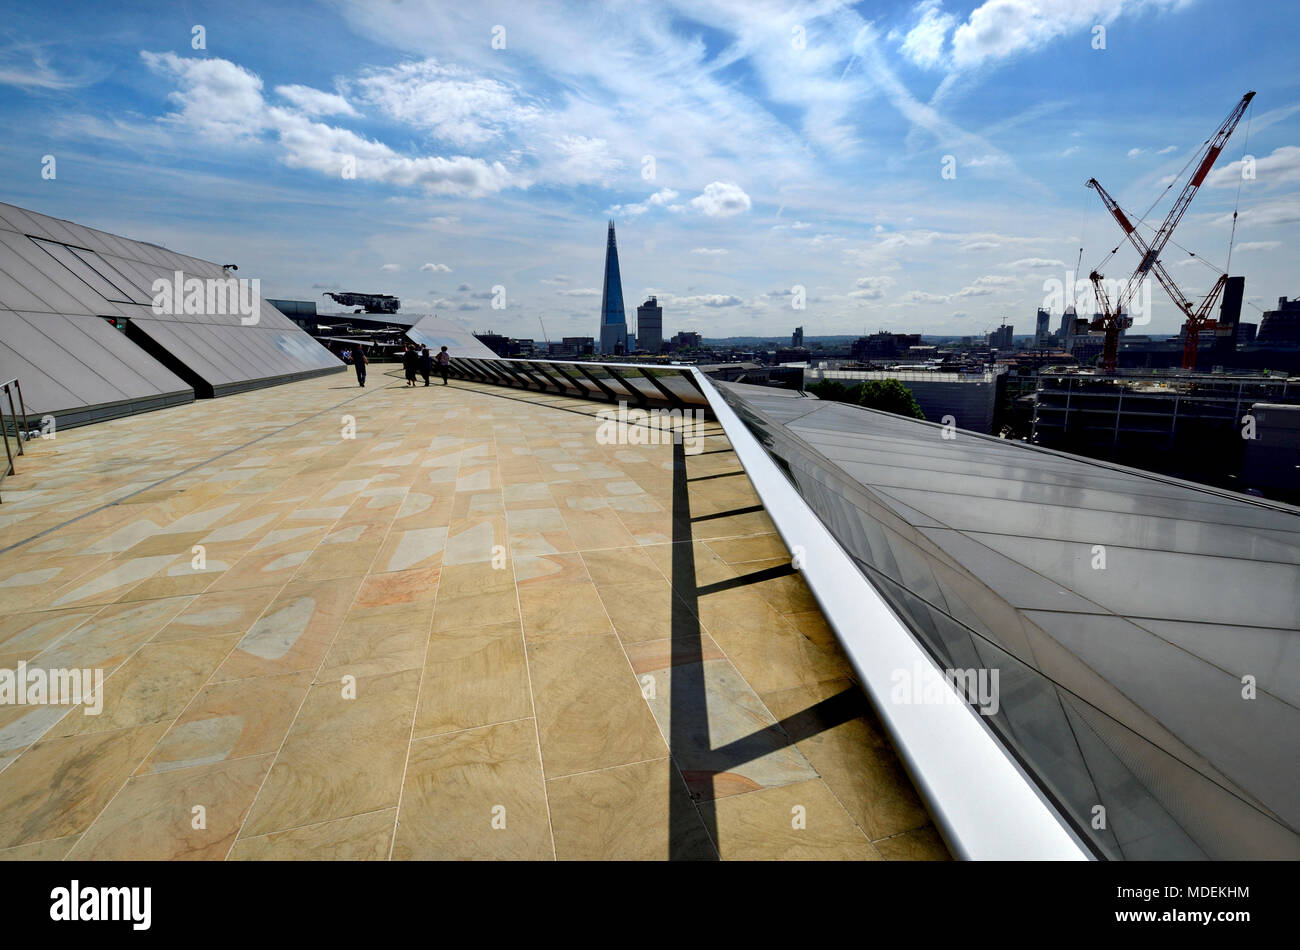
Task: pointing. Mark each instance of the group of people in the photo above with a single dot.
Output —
(415, 361)
(420, 360)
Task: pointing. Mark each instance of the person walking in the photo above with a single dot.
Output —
(359, 361)
(426, 364)
(411, 363)
(444, 364)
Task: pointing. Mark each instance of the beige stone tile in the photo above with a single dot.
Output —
(648, 610)
(620, 566)
(473, 677)
(215, 614)
(923, 844)
(22, 636)
(231, 720)
(112, 635)
(153, 818)
(341, 757)
(379, 643)
(57, 788)
(55, 849)
(647, 656)
(294, 632)
(154, 685)
(355, 838)
(562, 611)
(769, 653)
(475, 795)
(761, 826)
(638, 812)
(590, 712)
(855, 759)
(384, 593)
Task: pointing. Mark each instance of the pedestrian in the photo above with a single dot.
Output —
(444, 364)
(426, 364)
(411, 363)
(359, 361)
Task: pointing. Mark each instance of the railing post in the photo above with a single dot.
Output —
(18, 433)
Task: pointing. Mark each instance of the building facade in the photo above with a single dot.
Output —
(650, 326)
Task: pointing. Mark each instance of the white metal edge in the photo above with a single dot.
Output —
(985, 805)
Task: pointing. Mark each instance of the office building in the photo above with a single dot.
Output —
(650, 326)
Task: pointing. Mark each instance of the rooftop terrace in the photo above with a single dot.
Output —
(467, 630)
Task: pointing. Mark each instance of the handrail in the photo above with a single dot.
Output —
(20, 428)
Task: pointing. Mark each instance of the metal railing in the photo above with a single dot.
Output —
(7, 391)
(635, 383)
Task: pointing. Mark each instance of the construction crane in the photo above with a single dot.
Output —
(1113, 317)
(371, 303)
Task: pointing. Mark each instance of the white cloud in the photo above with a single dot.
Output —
(217, 99)
(311, 101)
(871, 288)
(662, 197)
(1035, 263)
(1280, 167)
(448, 101)
(709, 251)
(1167, 149)
(390, 267)
(1135, 152)
(557, 279)
(1259, 245)
(1070, 151)
(721, 199)
(579, 292)
(223, 101)
(923, 44)
(998, 29)
(435, 268)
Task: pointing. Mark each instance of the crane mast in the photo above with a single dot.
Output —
(1149, 253)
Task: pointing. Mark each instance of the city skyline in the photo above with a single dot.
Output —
(751, 157)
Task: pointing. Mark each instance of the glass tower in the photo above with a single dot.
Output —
(613, 321)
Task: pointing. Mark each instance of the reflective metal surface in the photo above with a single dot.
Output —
(1145, 629)
(61, 284)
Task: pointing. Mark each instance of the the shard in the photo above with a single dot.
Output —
(613, 321)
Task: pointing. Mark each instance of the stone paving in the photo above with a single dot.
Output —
(442, 623)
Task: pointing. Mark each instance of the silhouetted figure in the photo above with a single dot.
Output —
(359, 361)
(444, 364)
(411, 363)
(426, 363)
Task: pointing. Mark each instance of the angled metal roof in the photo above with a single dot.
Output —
(1128, 614)
(60, 280)
(435, 333)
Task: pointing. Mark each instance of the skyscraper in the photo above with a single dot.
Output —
(613, 321)
(650, 326)
(796, 338)
(1043, 331)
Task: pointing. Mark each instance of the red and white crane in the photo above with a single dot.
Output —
(1112, 315)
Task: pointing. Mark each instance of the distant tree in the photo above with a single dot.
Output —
(830, 391)
(888, 395)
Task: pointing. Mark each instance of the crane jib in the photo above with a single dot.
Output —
(1204, 170)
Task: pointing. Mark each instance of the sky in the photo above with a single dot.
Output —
(848, 168)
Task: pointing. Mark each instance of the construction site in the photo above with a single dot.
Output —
(1204, 426)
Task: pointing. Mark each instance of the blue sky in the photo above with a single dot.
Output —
(744, 149)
